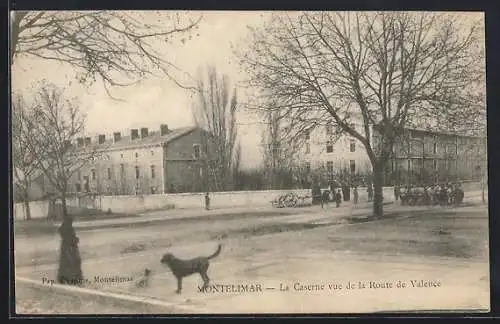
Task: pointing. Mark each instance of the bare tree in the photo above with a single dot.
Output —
(117, 47)
(215, 112)
(384, 69)
(24, 162)
(278, 153)
(58, 122)
(237, 159)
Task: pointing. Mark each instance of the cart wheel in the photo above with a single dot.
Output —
(282, 201)
(291, 200)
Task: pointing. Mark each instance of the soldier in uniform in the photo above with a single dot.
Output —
(338, 198)
(369, 189)
(324, 198)
(207, 201)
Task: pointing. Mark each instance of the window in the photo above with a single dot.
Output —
(86, 183)
(121, 155)
(136, 154)
(329, 130)
(78, 187)
(152, 172)
(435, 148)
(329, 166)
(352, 166)
(308, 166)
(329, 147)
(109, 173)
(122, 168)
(196, 151)
(435, 165)
(137, 173)
(352, 144)
(152, 152)
(307, 135)
(93, 174)
(308, 148)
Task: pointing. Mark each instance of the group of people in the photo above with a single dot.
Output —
(337, 197)
(437, 194)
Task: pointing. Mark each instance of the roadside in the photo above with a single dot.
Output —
(36, 300)
(172, 215)
(419, 247)
(162, 232)
(103, 242)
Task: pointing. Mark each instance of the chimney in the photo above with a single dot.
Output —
(144, 132)
(117, 136)
(102, 139)
(134, 134)
(79, 141)
(163, 129)
(88, 140)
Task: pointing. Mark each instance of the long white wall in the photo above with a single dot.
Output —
(139, 204)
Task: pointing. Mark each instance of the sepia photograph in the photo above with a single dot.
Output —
(249, 162)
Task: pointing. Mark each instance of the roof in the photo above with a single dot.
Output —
(153, 139)
(431, 131)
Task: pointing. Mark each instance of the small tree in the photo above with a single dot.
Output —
(384, 70)
(57, 123)
(24, 162)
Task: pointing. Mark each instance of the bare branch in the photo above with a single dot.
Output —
(117, 48)
(215, 111)
(387, 70)
(57, 122)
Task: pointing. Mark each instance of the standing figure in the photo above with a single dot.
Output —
(324, 198)
(396, 192)
(355, 194)
(369, 189)
(459, 194)
(443, 195)
(338, 198)
(207, 201)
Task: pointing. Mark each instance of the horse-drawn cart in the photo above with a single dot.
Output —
(289, 199)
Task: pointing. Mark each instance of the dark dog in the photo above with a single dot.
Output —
(183, 268)
(144, 281)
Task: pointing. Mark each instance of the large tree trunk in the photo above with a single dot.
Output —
(378, 197)
(70, 263)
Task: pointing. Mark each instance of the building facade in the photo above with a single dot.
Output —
(425, 157)
(325, 155)
(143, 162)
(418, 157)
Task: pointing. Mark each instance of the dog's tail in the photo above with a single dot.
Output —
(216, 253)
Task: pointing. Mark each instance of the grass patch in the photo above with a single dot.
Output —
(438, 233)
(189, 219)
(265, 229)
(34, 227)
(34, 300)
(134, 248)
(101, 216)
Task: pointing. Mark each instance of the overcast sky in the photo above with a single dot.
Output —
(156, 100)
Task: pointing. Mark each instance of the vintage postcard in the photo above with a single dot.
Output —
(209, 162)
